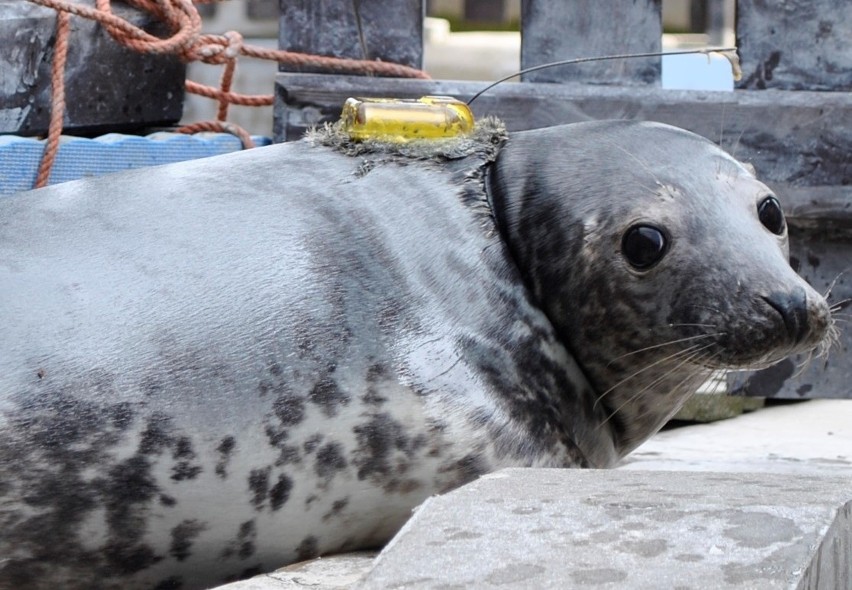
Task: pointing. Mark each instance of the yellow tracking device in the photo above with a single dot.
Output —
(401, 120)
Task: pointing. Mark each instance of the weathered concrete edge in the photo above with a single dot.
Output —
(824, 567)
(831, 566)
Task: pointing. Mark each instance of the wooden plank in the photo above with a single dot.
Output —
(552, 31)
(795, 45)
(388, 30)
(800, 139)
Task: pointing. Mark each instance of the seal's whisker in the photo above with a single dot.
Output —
(827, 293)
(803, 366)
(675, 355)
(668, 343)
(695, 348)
(737, 144)
(638, 161)
(820, 351)
(722, 127)
(689, 358)
(832, 338)
(715, 310)
(839, 305)
(692, 326)
(687, 383)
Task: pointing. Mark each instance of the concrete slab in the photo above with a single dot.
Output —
(532, 528)
(338, 572)
(812, 437)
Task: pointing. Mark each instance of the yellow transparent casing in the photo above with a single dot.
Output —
(401, 120)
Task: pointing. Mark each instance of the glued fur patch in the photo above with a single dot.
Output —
(486, 139)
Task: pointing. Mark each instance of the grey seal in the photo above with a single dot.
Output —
(212, 369)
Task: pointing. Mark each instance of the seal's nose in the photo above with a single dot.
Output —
(793, 307)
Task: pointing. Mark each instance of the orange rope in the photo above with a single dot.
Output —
(57, 112)
(220, 127)
(249, 100)
(183, 20)
(186, 41)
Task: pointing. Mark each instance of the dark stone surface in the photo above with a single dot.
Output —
(108, 87)
(387, 30)
(801, 45)
(262, 9)
(554, 31)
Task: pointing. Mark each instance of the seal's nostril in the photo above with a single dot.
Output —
(793, 307)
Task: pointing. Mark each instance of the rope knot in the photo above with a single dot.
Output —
(186, 41)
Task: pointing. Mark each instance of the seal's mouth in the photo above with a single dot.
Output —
(812, 343)
(729, 352)
(769, 328)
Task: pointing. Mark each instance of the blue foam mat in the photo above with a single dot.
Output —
(80, 157)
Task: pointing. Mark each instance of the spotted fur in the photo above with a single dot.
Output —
(213, 369)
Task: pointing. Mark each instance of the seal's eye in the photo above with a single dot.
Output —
(770, 215)
(643, 246)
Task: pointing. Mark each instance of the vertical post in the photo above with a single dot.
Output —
(697, 15)
(389, 30)
(716, 22)
(553, 30)
(484, 10)
(802, 45)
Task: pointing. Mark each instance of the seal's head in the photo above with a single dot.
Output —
(657, 257)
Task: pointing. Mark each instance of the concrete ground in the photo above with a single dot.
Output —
(810, 437)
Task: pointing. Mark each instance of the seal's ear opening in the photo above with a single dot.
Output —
(644, 246)
(750, 167)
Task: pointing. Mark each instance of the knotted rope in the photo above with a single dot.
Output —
(186, 41)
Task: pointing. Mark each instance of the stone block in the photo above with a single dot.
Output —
(802, 45)
(554, 31)
(538, 528)
(386, 30)
(107, 87)
(711, 406)
(337, 572)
